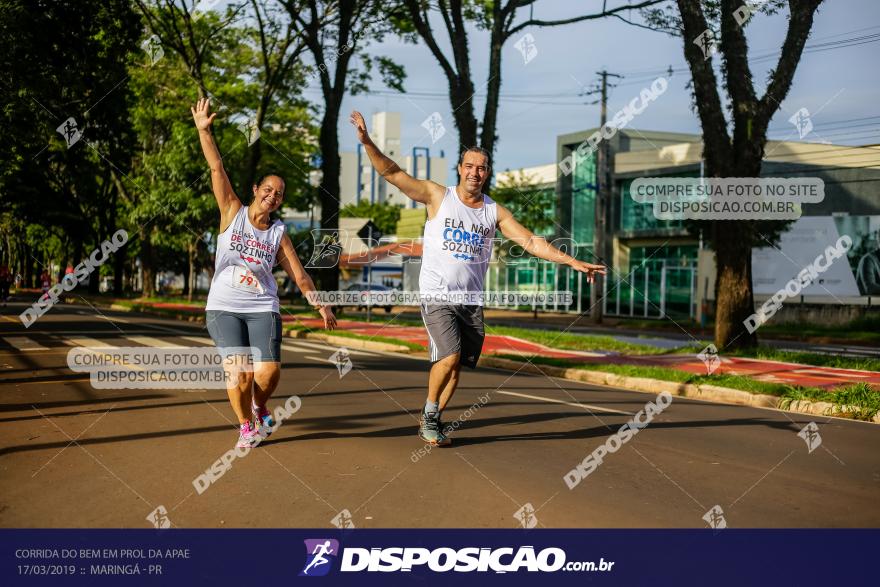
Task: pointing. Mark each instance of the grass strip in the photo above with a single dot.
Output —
(858, 400)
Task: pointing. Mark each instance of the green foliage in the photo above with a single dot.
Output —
(533, 206)
(383, 215)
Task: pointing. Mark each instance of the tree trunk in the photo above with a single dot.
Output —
(148, 289)
(190, 270)
(28, 272)
(328, 140)
(95, 281)
(119, 269)
(733, 291)
(732, 241)
(488, 136)
(462, 94)
(185, 291)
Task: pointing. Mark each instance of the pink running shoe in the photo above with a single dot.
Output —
(263, 419)
(248, 436)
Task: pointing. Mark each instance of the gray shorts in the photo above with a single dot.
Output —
(454, 329)
(246, 329)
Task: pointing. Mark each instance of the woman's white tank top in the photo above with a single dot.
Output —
(243, 280)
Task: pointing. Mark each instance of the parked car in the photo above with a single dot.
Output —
(374, 287)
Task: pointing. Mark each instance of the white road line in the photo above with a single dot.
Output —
(311, 345)
(162, 328)
(24, 343)
(86, 342)
(200, 339)
(153, 342)
(319, 359)
(300, 347)
(559, 401)
(295, 348)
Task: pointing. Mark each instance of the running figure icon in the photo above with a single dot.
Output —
(319, 552)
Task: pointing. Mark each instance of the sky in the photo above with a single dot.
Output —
(540, 99)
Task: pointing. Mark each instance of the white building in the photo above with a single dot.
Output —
(542, 176)
(358, 181)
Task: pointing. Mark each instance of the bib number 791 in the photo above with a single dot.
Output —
(243, 278)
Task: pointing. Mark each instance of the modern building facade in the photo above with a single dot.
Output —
(660, 268)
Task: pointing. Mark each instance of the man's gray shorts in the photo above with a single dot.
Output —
(454, 329)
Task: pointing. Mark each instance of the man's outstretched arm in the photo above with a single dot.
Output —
(539, 247)
(420, 190)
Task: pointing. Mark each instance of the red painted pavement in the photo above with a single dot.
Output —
(759, 369)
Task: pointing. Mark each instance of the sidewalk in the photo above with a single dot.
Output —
(759, 369)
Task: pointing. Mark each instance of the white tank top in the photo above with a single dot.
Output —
(457, 247)
(243, 280)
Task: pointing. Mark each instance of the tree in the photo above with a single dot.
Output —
(232, 59)
(64, 188)
(334, 31)
(412, 19)
(531, 204)
(383, 214)
(735, 147)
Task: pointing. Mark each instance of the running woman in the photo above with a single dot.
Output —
(456, 249)
(243, 307)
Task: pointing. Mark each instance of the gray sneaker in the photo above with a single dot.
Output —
(429, 430)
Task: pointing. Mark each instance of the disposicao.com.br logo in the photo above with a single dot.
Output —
(320, 554)
(443, 559)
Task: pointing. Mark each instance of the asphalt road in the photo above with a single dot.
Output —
(75, 456)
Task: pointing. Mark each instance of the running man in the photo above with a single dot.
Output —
(243, 307)
(456, 249)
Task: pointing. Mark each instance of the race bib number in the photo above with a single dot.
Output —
(244, 278)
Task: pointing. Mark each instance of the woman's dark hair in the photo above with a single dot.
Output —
(276, 215)
(266, 176)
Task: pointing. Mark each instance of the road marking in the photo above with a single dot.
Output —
(319, 359)
(295, 348)
(153, 342)
(320, 347)
(113, 319)
(24, 343)
(162, 328)
(559, 401)
(300, 347)
(199, 339)
(86, 342)
(45, 381)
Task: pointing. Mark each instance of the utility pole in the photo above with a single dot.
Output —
(603, 197)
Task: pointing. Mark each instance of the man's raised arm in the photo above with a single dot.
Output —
(420, 190)
(539, 247)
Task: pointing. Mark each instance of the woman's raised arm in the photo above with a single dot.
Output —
(227, 201)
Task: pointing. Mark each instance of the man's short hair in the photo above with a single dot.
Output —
(479, 150)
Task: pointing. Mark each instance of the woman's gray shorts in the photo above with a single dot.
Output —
(261, 330)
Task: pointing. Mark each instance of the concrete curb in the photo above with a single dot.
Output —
(710, 393)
